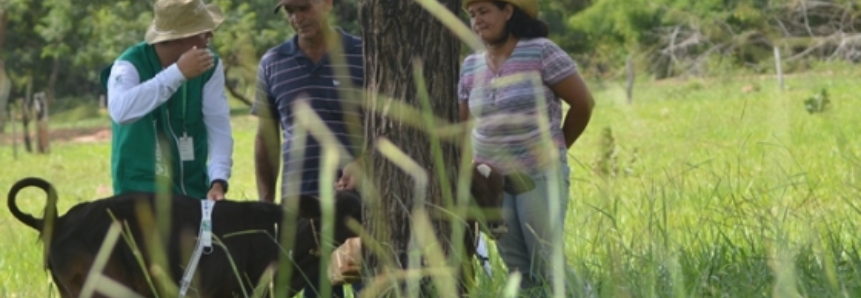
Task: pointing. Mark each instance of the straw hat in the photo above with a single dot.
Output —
(175, 19)
(530, 7)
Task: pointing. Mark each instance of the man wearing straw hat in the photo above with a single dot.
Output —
(322, 66)
(168, 108)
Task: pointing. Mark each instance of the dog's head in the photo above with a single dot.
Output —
(487, 190)
(347, 205)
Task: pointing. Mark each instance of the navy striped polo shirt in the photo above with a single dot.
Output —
(286, 75)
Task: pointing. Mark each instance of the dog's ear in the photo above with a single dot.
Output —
(309, 206)
(269, 211)
(348, 203)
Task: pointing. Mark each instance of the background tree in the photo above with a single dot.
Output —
(395, 33)
(682, 37)
(61, 47)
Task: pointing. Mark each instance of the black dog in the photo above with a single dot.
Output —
(244, 231)
(306, 252)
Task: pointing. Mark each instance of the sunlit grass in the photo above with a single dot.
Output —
(745, 195)
(715, 202)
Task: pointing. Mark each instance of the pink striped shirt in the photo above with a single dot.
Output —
(506, 105)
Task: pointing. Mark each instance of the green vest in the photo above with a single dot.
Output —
(147, 150)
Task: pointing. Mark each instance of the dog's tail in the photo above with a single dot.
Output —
(50, 215)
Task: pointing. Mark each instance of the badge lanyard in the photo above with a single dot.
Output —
(185, 143)
(184, 109)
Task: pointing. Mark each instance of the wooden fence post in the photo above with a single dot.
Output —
(778, 68)
(14, 130)
(629, 69)
(26, 115)
(40, 106)
(5, 92)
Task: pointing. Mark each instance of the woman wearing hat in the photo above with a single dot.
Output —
(514, 91)
(168, 108)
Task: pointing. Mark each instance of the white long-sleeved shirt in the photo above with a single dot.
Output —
(130, 100)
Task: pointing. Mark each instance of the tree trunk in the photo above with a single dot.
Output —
(4, 21)
(52, 81)
(5, 82)
(394, 34)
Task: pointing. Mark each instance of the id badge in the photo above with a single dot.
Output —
(186, 148)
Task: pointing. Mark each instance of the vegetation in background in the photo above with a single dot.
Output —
(671, 38)
(61, 46)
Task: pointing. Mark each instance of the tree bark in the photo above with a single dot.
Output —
(4, 21)
(52, 81)
(4, 79)
(394, 34)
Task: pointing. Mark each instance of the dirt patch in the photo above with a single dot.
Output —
(62, 135)
(97, 137)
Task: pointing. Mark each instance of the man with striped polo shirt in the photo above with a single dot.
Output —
(302, 69)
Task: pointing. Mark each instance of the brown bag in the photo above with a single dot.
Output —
(346, 263)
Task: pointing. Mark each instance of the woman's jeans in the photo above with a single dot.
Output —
(535, 221)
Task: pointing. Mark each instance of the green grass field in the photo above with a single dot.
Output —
(708, 191)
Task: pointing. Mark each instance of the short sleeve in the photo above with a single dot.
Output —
(463, 84)
(262, 96)
(556, 65)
